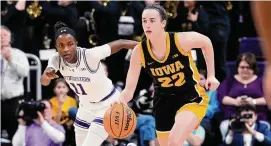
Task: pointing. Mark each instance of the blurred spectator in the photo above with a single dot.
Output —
(195, 19)
(44, 131)
(61, 104)
(14, 68)
(145, 125)
(243, 88)
(246, 130)
(13, 16)
(64, 11)
(219, 24)
(213, 103)
(196, 138)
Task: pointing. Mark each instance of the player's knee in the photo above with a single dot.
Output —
(99, 130)
(173, 141)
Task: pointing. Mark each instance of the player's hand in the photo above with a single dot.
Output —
(124, 98)
(211, 83)
(51, 73)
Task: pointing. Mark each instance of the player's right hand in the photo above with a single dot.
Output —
(51, 73)
(124, 98)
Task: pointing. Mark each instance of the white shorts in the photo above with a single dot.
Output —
(93, 113)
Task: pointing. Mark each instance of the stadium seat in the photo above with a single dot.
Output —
(250, 44)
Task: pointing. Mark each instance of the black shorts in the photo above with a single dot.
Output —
(166, 107)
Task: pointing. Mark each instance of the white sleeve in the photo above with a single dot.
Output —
(259, 136)
(54, 62)
(99, 53)
(228, 139)
(19, 137)
(55, 135)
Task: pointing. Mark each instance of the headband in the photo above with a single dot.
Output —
(65, 30)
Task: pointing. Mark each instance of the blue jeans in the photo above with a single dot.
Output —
(146, 127)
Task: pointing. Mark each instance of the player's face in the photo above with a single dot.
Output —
(244, 70)
(152, 23)
(66, 47)
(202, 80)
(61, 89)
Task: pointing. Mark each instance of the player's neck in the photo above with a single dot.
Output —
(159, 41)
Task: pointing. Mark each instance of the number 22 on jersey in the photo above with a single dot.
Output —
(78, 89)
(175, 80)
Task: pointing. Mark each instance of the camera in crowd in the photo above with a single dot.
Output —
(238, 125)
(30, 109)
(238, 121)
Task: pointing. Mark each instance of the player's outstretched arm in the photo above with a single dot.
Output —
(132, 76)
(121, 44)
(50, 71)
(190, 40)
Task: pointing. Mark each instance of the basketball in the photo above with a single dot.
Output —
(119, 121)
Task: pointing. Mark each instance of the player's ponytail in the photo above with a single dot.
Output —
(59, 25)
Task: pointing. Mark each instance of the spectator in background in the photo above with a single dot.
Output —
(251, 133)
(13, 16)
(43, 132)
(14, 68)
(61, 105)
(219, 24)
(213, 103)
(244, 88)
(143, 107)
(195, 19)
(196, 138)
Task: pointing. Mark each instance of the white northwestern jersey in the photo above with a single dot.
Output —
(87, 76)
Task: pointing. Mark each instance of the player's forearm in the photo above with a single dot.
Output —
(121, 44)
(208, 53)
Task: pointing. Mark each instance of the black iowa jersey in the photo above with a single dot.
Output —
(176, 73)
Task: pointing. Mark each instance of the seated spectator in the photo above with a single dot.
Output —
(213, 103)
(145, 121)
(241, 89)
(61, 104)
(248, 130)
(196, 138)
(42, 131)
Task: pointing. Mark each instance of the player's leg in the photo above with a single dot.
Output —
(185, 123)
(96, 133)
(187, 119)
(82, 124)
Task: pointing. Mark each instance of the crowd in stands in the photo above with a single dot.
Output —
(237, 114)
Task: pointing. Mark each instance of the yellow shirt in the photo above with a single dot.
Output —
(69, 102)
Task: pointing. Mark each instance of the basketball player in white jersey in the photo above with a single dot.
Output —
(81, 69)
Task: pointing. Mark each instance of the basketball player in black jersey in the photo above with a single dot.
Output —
(262, 11)
(179, 101)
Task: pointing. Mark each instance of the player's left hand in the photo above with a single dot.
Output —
(211, 83)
